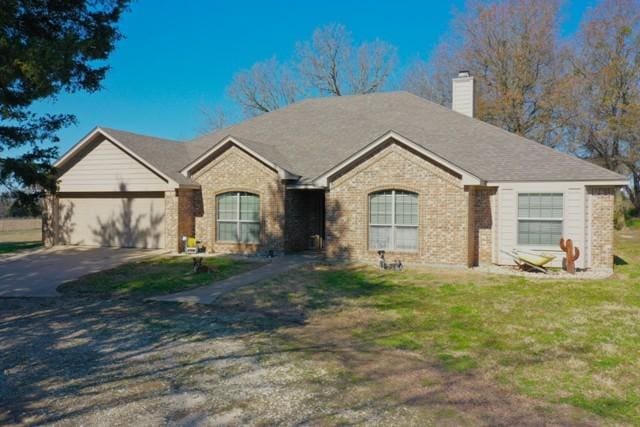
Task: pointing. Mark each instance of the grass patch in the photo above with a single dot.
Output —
(19, 240)
(11, 247)
(625, 409)
(457, 363)
(633, 223)
(574, 342)
(156, 276)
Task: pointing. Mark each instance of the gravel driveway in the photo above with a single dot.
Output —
(80, 362)
(66, 361)
(38, 273)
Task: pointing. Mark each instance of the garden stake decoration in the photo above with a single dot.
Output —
(572, 255)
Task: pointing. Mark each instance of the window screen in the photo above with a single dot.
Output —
(393, 220)
(540, 217)
(238, 217)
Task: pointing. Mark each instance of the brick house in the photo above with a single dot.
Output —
(358, 173)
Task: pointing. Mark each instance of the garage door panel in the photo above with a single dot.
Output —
(135, 222)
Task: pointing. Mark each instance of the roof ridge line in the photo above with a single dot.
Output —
(110, 129)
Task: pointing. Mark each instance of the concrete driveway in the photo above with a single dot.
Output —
(39, 273)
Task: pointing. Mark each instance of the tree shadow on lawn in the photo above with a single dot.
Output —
(67, 358)
(394, 375)
(56, 348)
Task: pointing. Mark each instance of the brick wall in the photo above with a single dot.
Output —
(443, 207)
(601, 202)
(484, 207)
(235, 170)
(179, 217)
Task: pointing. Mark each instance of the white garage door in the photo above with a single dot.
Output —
(120, 221)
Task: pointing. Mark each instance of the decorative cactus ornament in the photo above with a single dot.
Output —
(572, 255)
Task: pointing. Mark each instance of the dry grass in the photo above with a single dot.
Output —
(573, 344)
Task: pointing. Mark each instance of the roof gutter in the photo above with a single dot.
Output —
(592, 183)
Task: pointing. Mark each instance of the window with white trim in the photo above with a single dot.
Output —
(540, 217)
(393, 220)
(238, 217)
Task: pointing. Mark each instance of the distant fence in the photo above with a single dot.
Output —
(15, 224)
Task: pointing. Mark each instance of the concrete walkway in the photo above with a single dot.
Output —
(38, 273)
(208, 294)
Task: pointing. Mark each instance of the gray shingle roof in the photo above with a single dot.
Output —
(267, 151)
(317, 134)
(310, 137)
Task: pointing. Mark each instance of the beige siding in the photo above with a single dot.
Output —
(507, 223)
(120, 221)
(573, 222)
(107, 168)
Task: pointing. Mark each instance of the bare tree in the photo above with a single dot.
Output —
(214, 119)
(432, 79)
(265, 87)
(328, 64)
(331, 64)
(512, 49)
(607, 85)
(419, 81)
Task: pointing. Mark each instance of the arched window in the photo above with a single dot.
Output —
(393, 220)
(238, 217)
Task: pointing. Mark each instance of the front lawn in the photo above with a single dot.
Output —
(14, 241)
(328, 345)
(573, 343)
(157, 276)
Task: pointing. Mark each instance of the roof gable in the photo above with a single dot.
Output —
(266, 154)
(103, 166)
(159, 155)
(394, 137)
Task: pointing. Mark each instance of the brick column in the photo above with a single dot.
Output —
(472, 248)
(601, 217)
(483, 206)
(179, 218)
(171, 216)
(186, 216)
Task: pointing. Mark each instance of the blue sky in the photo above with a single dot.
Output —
(177, 57)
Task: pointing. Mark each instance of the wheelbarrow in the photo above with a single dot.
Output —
(530, 260)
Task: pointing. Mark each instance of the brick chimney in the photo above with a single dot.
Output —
(463, 98)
